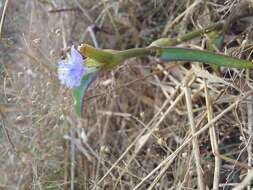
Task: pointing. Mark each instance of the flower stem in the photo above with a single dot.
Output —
(135, 52)
(165, 42)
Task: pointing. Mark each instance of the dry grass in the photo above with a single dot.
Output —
(147, 125)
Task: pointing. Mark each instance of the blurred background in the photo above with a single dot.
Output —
(44, 145)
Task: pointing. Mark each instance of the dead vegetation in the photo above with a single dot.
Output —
(148, 124)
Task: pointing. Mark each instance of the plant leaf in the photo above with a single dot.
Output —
(184, 54)
(80, 92)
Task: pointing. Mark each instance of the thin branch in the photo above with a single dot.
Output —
(214, 141)
(195, 143)
(3, 16)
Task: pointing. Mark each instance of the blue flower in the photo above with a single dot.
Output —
(71, 72)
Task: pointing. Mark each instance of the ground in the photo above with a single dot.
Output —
(136, 128)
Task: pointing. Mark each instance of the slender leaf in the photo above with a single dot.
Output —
(183, 54)
(80, 92)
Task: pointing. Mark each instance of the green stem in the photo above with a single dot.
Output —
(135, 52)
(243, 10)
(120, 56)
(165, 42)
